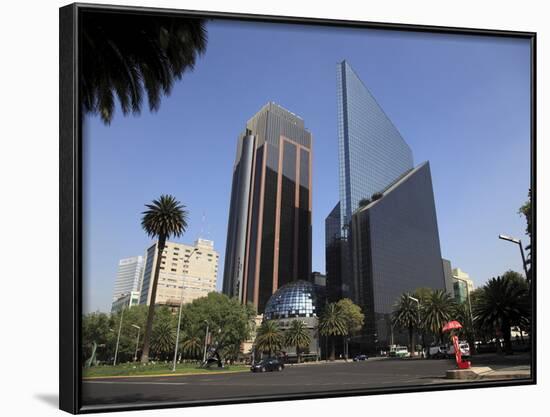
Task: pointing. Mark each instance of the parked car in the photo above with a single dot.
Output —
(399, 352)
(464, 349)
(437, 352)
(360, 358)
(268, 365)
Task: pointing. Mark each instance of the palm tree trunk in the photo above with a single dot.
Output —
(151, 312)
(332, 349)
(411, 340)
(298, 353)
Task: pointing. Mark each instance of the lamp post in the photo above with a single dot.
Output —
(205, 342)
(137, 341)
(418, 311)
(472, 348)
(179, 320)
(118, 336)
(517, 242)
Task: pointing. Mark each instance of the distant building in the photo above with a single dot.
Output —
(318, 279)
(269, 225)
(125, 301)
(462, 285)
(187, 272)
(128, 278)
(448, 272)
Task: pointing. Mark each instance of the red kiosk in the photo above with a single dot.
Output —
(450, 327)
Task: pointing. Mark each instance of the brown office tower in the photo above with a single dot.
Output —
(269, 227)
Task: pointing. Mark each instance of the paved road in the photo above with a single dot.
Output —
(323, 377)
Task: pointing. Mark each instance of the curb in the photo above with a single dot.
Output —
(89, 378)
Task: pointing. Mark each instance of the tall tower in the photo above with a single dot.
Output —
(128, 278)
(381, 238)
(269, 227)
(371, 155)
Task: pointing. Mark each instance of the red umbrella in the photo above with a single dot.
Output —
(453, 324)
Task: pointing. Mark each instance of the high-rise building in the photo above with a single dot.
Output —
(448, 273)
(395, 249)
(462, 285)
(381, 237)
(125, 301)
(128, 278)
(269, 227)
(187, 272)
(371, 152)
(372, 155)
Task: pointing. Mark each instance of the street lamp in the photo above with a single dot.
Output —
(118, 337)
(179, 319)
(517, 242)
(418, 310)
(205, 342)
(470, 309)
(137, 341)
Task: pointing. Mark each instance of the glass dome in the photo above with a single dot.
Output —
(296, 299)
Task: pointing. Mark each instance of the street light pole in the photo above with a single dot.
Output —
(517, 242)
(118, 337)
(417, 312)
(179, 319)
(472, 348)
(205, 342)
(137, 341)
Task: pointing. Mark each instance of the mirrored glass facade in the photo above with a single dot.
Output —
(372, 153)
(297, 299)
(396, 249)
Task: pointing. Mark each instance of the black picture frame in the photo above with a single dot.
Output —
(70, 202)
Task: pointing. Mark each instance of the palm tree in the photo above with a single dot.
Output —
(405, 316)
(297, 335)
(163, 218)
(333, 323)
(269, 337)
(132, 55)
(193, 342)
(437, 309)
(162, 339)
(502, 304)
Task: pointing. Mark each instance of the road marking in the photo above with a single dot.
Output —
(136, 383)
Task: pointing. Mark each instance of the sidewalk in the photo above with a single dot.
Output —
(487, 373)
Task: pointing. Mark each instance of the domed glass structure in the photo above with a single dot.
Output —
(296, 299)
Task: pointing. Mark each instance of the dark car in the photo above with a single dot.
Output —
(268, 364)
(360, 358)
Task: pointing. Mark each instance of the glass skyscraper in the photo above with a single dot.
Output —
(372, 153)
(269, 227)
(381, 237)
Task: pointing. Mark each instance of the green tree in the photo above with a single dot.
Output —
(192, 343)
(96, 328)
(353, 317)
(163, 218)
(269, 337)
(163, 339)
(130, 56)
(332, 323)
(526, 211)
(437, 310)
(229, 322)
(405, 316)
(297, 335)
(503, 303)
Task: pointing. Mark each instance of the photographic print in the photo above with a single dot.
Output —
(258, 208)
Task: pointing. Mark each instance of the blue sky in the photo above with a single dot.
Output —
(461, 102)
